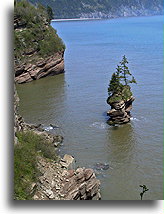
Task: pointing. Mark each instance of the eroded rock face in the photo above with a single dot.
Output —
(44, 67)
(60, 183)
(120, 111)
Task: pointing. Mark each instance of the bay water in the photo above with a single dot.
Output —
(76, 102)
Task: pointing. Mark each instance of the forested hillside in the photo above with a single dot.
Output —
(102, 8)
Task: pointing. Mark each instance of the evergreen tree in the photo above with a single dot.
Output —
(114, 85)
(50, 13)
(124, 73)
(120, 80)
(15, 2)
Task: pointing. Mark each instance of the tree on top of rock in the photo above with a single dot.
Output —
(119, 83)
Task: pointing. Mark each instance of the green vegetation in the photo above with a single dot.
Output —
(25, 167)
(76, 8)
(50, 13)
(119, 88)
(123, 72)
(33, 35)
(144, 189)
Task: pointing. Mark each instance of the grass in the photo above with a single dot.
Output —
(36, 33)
(25, 162)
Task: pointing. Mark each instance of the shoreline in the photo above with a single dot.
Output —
(94, 19)
(56, 179)
(75, 19)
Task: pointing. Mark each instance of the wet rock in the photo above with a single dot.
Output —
(101, 166)
(56, 144)
(54, 126)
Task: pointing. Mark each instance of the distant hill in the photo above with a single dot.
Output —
(102, 8)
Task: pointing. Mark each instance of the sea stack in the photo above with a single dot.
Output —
(120, 111)
(120, 95)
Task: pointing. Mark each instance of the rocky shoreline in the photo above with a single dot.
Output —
(57, 180)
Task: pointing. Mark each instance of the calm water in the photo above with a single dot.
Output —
(76, 101)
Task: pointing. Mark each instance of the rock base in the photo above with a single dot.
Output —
(120, 112)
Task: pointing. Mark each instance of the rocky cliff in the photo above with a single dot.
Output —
(52, 65)
(38, 50)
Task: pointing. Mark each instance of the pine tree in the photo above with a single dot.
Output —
(114, 85)
(50, 13)
(120, 80)
(124, 73)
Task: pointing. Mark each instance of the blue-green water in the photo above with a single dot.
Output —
(76, 101)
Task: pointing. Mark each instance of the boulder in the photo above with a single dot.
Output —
(68, 162)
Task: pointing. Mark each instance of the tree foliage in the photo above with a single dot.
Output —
(124, 73)
(120, 80)
(50, 13)
(114, 85)
(144, 189)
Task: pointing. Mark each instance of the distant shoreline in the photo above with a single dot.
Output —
(92, 19)
(76, 19)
